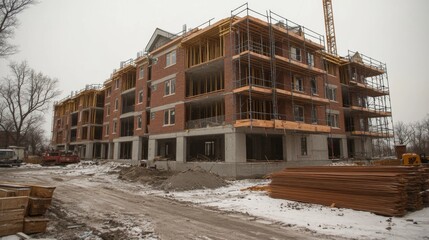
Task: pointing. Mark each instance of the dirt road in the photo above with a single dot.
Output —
(90, 206)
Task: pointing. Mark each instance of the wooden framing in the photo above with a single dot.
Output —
(299, 126)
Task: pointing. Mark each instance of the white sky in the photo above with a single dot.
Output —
(81, 41)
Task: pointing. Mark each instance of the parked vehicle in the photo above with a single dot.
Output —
(8, 157)
(59, 158)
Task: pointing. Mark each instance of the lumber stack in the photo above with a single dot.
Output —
(384, 190)
(22, 208)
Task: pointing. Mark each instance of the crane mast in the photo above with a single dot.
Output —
(329, 27)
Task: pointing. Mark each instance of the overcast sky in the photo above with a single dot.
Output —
(81, 41)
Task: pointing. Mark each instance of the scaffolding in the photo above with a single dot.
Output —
(278, 72)
(366, 99)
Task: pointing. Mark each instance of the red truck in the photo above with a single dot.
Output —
(59, 158)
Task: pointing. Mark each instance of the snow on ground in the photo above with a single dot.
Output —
(326, 220)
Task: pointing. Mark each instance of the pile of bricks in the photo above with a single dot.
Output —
(22, 208)
(384, 190)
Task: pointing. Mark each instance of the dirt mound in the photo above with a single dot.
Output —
(193, 179)
(144, 175)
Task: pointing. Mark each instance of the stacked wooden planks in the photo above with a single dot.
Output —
(22, 208)
(385, 190)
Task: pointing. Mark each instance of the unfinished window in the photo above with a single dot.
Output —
(209, 149)
(170, 87)
(141, 72)
(115, 125)
(330, 68)
(140, 96)
(116, 104)
(295, 53)
(313, 114)
(361, 101)
(139, 122)
(108, 110)
(313, 84)
(304, 146)
(108, 92)
(152, 115)
(298, 83)
(364, 124)
(332, 120)
(310, 59)
(298, 113)
(117, 83)
(331, 92)
(171, 58)
(354, 74)
(107, 130)
(169, 117)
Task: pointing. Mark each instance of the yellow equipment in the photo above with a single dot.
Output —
(411, 159)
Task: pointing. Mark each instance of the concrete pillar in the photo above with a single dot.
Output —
(89, 150)
(235, 147)
(103, 151)
(66, 147)
(180, 149)
(285, 150)
(290, 148)
(344, 152)
(151, 151)
(110, 151)
(368, 146)
(116, 149)
(137, 150)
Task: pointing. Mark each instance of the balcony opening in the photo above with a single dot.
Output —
(264, 147)
(84, 133)
(205, 50)
(85, 116)
(203, 83)
(126, 150)
(209, 148)
(255, 76)
(96, 132)
(127, 127)
(166, 149)
(255, 109)
(100, 100)
(73, 135)
(99, 116)
(334, 148)
(257, 43)
(128, 102)
(206, 114)
(128, 80)
(74, 119)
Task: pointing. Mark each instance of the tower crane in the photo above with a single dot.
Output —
(329, 27)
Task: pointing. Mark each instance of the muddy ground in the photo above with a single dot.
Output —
(93, 202)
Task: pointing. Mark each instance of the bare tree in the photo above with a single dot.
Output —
(9, 10)
(403, 132)
(35, 139)
(419, 139)
(25, 95)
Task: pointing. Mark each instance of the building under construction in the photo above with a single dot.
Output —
(246, 95)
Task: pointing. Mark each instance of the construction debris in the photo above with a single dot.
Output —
(384, 190)
(23, 207)
(196, 178)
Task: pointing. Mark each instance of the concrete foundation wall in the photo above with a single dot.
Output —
(316, 147)
(237, 170)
